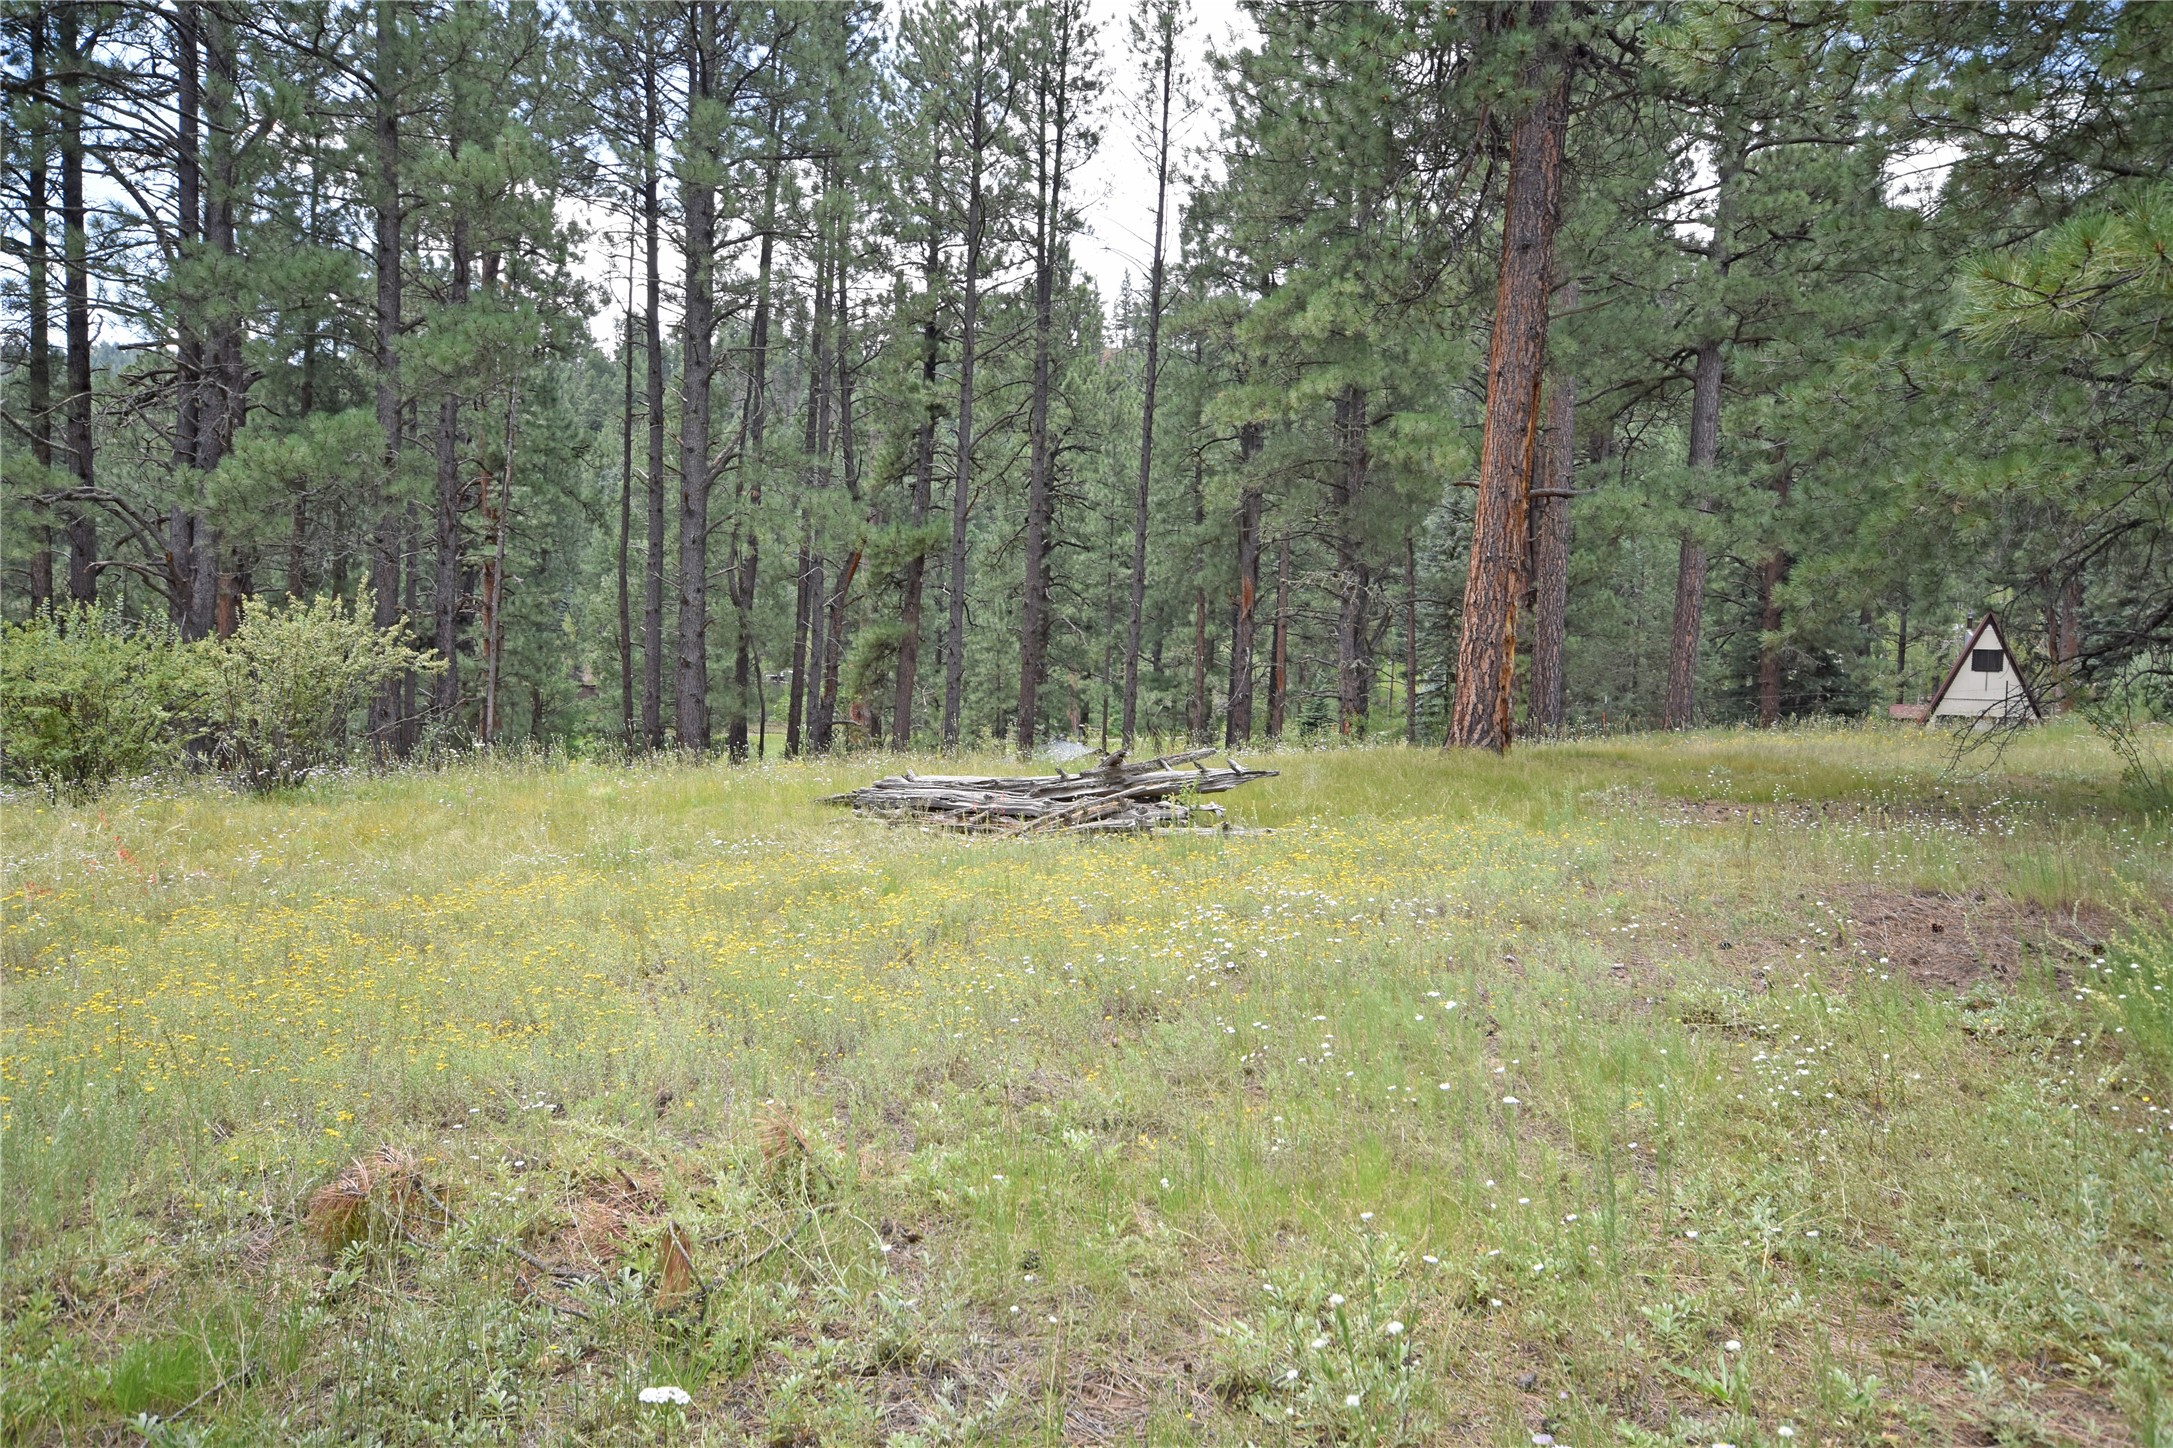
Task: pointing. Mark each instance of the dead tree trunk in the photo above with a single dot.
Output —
(1486, 654)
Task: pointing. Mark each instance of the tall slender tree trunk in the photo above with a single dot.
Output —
(494, 626)
(1410, 641)
(1048, 222)
(626, 512)
(1137, 620)
(1772, 573)
(819, 729)
(924, 470)
(385, 535)
(796, 702)
(227, 401)
(746, 549)
(698, 200)
(446, 589)
(2063, 641)
(1354, 579)
(39, 347)
(954, 642)
(1679, 706)
(806, 609)
(181, 523)
(652, 328)
(81, 523)
(1486, 654)
(1237, 718)
(1550, 551)
(1279, 644)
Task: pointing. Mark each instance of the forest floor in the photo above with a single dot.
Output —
(1720, 1088)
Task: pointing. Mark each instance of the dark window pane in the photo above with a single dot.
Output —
(1985, 661)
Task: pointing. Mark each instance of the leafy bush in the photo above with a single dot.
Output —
(281, 693)
(87, 697)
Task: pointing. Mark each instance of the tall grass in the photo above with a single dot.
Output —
(1566, 1063)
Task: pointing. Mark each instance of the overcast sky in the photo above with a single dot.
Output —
(1114, 189)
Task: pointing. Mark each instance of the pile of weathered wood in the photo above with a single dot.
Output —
(1113, 797)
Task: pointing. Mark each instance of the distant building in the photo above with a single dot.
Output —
(1985, 686)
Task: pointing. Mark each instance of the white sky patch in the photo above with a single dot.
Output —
(1113, 189)
(1915, 177)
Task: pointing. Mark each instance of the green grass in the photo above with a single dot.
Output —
(1075, 1140)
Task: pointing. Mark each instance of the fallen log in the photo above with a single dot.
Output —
(1113, 797)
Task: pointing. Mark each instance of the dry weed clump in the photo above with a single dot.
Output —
(780, 1141)
(378, 1195)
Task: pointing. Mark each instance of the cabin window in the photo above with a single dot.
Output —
(1985, 661)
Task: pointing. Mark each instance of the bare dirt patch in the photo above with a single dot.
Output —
(1950, 942)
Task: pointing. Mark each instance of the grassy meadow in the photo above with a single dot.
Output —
(1721, 1088)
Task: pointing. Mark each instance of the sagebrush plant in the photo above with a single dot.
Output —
(996, 1142)
(281, 695)
(88, 696)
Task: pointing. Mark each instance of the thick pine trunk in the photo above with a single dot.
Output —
(698, 199)
(1550, 554)
(1486, 653)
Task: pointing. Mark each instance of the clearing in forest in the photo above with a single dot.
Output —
(1716, 1088)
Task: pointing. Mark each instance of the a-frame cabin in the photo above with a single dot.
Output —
(1984, 686)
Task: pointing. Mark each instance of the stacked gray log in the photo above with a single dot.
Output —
(1114, 797)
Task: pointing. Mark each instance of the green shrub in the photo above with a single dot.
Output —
(282, 692)
(86, 697)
